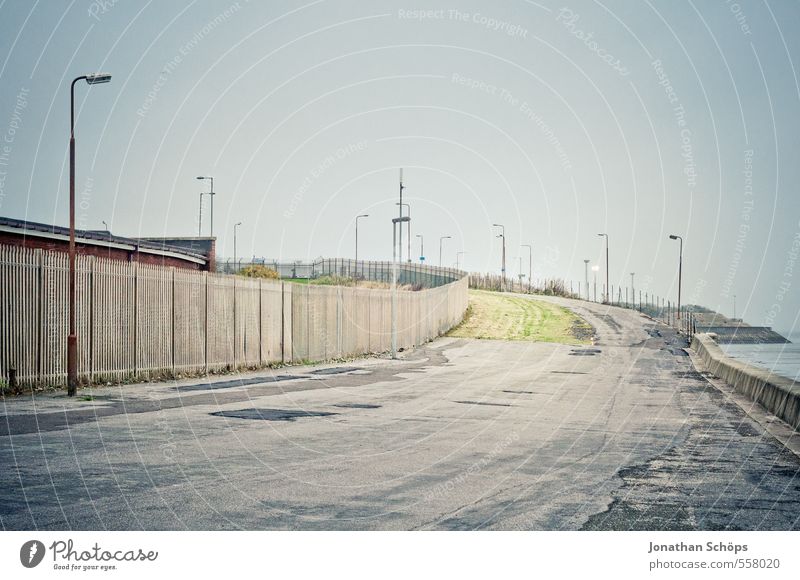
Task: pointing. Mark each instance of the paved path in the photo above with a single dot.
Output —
(459, 435)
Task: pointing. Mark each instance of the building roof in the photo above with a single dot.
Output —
(100, 238)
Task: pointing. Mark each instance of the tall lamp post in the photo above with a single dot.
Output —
(458, 254)
(530, 264)
(680, 268)
(421, 248)
(363, 215)
(408, 207)
(608, 288)
(503, 263)
(236, 225)
(72, 338)
(441, 239)
(586, 277)
(633, 290)
(595, 269)
(211, 193)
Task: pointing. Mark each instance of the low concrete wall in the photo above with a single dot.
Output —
(778, 395)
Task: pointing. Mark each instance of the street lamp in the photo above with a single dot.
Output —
(586, 276)
(409, 229)
(363, 215)
(680, 268)
(72, 338)
(458, 254)
(421, 248)
(633, 290)
(530, 264)
(595, 268)
(440, 248)
(608, 288)
(236, 225)
(211, 193)
(503, 264)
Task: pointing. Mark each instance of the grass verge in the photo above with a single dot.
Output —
(494, 315)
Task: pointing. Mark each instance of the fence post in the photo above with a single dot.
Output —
(235, 339)
(39, 315)
(173, 319)
(135, 319)
(90, 330)
(205, 331)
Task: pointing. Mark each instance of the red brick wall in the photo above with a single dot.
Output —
(99, 251)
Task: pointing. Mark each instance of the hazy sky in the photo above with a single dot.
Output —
(558, 119)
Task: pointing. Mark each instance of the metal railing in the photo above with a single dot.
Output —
(412, 274)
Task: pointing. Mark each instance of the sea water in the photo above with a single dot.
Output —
(781, 359)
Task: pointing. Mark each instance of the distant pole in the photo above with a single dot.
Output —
(400, 249)
(211, 193)
(421, 247)
(408, 207)
(680, 268)
(607, 299)
(363, 215)
(595, 268)
(441, 239)
(734, 307)
(457, 256)
(503, 262)
(586, 276)
(200, 217)
(236, 225)
(633, 290)
(530, 265)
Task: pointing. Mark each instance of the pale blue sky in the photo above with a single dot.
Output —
(552, 118)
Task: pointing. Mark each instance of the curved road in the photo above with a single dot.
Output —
(460, 434)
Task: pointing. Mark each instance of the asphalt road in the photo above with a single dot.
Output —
(460, 434)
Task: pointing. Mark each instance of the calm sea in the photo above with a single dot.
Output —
(781, 359)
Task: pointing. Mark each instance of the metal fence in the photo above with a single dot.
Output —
(137, 321)
(408, 273)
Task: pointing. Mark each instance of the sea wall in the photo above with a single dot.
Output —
(778, 395)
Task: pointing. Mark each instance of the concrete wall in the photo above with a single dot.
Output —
(778, 395)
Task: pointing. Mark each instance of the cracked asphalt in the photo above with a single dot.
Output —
(459, 434)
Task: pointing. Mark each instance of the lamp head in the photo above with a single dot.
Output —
(98, 78)
(673, 237)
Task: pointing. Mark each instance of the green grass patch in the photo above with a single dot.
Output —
(498, 316)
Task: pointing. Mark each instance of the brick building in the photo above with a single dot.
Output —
(191, 253)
